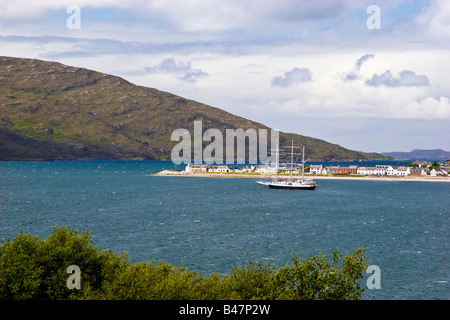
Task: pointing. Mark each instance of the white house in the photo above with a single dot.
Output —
(316, 168)
(367, 170)
(219, 169)
(361, 170)
(245, 169)
(381, 170)
(391, 170)
(196, 168)
(403, 171)
(398, 171)
(265, 169)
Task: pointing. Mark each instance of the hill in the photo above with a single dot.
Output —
(50, 111)
(416, 154)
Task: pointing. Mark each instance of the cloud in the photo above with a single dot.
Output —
(354, 75)
(350, 76)
(432, 23)
(296, 75)
(171, 43)
(406, 78)
(184, 71)
(363, 59)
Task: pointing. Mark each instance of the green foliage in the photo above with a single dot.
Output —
(33, 268)
(435, 165)
(317, 279)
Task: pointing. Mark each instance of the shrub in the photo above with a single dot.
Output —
(33, 268)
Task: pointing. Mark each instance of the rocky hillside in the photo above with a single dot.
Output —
(51, 111)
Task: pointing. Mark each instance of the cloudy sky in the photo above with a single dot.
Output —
(367, 75)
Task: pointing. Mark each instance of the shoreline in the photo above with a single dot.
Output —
(331, 177)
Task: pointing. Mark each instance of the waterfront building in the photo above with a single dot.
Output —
(316, 169)
(196, 168)
(332, 169)
(353, 169)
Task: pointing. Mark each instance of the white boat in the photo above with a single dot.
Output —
(290, 183)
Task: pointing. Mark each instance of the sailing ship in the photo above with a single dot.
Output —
(290, 183)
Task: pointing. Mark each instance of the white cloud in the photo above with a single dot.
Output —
(30, 10)
(433, 24)
(406, 78)
(184, 71)
(363, 59)
(355, 75)
(249, 48)
(296, 75)
(430, 108)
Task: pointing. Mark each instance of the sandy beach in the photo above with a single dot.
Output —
(257, 176)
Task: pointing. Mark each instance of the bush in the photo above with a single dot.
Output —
(33, 268)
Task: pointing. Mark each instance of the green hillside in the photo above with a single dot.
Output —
(51, 111)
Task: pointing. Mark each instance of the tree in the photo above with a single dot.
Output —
(435, 166)
(33, 268)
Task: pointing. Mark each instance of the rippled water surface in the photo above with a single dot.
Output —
(213, 224)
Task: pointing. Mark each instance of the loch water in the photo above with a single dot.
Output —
(212, 224)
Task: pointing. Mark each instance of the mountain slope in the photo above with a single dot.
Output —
(52, 111)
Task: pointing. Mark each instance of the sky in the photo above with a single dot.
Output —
(371, 76)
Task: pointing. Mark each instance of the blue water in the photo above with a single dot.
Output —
(213, 224)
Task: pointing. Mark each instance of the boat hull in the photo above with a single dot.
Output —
(292, 186)
(273, 186)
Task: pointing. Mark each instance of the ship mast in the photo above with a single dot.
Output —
(303, 164)
(276, 164)
(292, 156)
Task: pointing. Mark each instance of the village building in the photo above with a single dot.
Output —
(353, 169)
(196, 168)
(381, 169)
(219, 169)
(368, 171)
(403, 171)
(378, 170)
(438, 172)
(332, 169)
(421, 163)
(265, 169)
(316, 169)
(343, 170)
(417, 172)
(245, 169)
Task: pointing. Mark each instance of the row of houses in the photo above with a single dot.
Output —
(203, 168)
(262, 169)
(379, 170)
